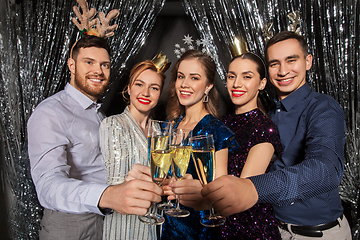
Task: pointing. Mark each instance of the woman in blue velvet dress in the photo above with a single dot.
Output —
(193, 104)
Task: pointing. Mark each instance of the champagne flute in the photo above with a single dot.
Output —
(160, 156)
(156, 125)
(168, 204)
(203, 154)
(180, 162)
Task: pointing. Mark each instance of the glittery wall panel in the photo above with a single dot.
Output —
(197, 10)
(135, 23)
(35, 37)
(30, 41)
(331, 28)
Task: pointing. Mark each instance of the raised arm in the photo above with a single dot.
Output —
(320, 166)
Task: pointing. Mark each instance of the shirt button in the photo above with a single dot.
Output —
(278, 110)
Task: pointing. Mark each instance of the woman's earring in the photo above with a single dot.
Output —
(206, 97)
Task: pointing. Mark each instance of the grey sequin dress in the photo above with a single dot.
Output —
(123, 144)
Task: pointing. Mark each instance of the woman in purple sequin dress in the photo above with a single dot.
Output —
(259, 140)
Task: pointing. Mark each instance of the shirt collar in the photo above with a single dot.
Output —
(294, 98)
(83, 100)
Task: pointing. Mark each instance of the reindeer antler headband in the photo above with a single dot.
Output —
(85, 22)
(293, 27)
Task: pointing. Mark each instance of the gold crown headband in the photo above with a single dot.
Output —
(240, 47)
(161, 63)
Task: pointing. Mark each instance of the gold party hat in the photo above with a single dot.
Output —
(161, 62)
(238, 47)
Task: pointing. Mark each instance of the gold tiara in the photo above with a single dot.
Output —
(161, 62)
(85, 22)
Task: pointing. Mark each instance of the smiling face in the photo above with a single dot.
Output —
(243, 84)
(90, 71)
(145, 92)
(191, 83)
(287, 64)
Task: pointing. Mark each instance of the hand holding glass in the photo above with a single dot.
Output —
(160, 156)
(180, 145)
(203, 154)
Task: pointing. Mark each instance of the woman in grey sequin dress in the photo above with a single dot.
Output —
(123, 142)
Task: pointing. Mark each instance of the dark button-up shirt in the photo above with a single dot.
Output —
(303, 184)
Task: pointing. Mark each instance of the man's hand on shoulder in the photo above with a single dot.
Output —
(230, 194)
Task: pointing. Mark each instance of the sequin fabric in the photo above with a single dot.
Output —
(258, 222)
(189, 228)
(123, 144)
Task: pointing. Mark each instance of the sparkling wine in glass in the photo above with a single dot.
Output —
(203, 154)
(181, 147)
(160, 155)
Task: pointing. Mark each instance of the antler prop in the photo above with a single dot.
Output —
(103, 26)
(84, 20)
(267, 33)
(86, 25)
(294, 17)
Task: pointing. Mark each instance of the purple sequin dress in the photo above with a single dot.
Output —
(250, 129)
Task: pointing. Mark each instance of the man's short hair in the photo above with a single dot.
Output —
(284, 35)
(90, 41)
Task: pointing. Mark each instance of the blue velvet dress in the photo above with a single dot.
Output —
(190, 227)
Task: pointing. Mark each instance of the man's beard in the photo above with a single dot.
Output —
(87, 88)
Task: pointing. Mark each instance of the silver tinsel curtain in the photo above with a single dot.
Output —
(332, 31)
(35, 37)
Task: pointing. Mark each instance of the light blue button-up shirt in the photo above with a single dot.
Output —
(63, 143)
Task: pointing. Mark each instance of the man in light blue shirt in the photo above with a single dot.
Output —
(66, 163)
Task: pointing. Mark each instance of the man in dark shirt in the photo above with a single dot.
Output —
(303, 184)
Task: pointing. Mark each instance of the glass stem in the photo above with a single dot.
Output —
(212, 212)
(177, 201)
(153, 208)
